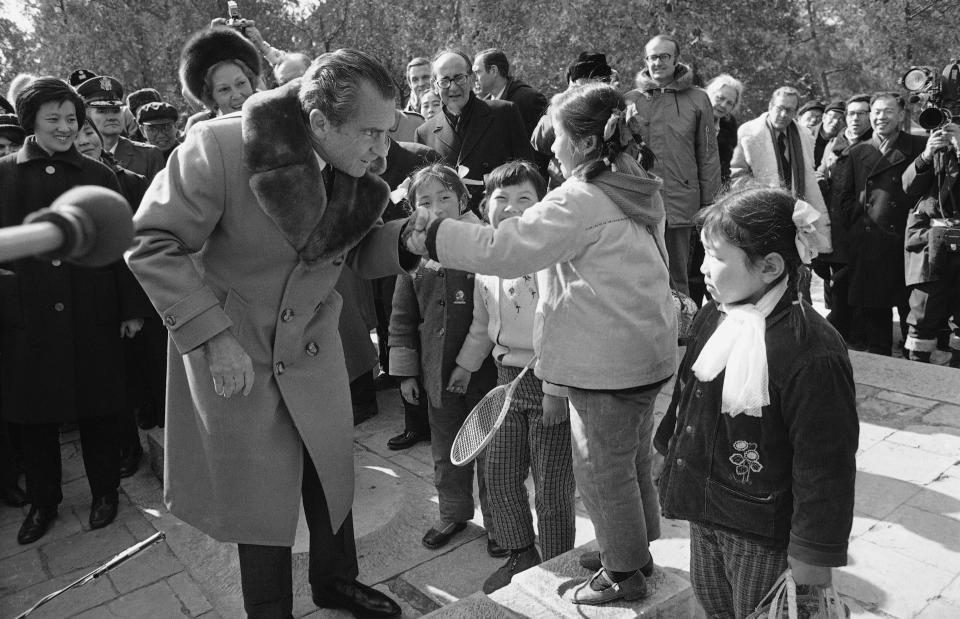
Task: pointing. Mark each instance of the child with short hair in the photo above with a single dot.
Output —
(530, 437)
(432, 312)
(761, 435)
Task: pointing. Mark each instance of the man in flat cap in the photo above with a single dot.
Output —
(158, 123)
(830, 127)
(809, 116)
(103, 96)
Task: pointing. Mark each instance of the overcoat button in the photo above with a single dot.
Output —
(441, 331)
(50, 169)
(287, 315)
(170, 320)
(56, 262)
(698, 393)
(442, 303)
(689, 429)
(280, 367)
(58, 307)
(312, 349)
(679, 461)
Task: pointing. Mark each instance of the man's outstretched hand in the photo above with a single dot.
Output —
(416, 231)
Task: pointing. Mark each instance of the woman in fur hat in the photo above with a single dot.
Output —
(219, 68)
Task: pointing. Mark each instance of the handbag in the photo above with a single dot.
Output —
(785, 602)
(685, 307)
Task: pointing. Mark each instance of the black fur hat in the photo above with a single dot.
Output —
(208, 47)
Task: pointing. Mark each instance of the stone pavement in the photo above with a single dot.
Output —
(904, 552)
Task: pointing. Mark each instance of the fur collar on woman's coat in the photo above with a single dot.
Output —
(285, 178)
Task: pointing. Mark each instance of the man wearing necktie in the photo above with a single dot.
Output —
(874, 208)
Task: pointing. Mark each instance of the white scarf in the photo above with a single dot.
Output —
(738, 345)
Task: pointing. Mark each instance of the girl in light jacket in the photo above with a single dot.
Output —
(609, 330)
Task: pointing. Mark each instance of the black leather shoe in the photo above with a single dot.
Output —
(495, 550)
(363, 601)
(407, 439)
(36, 523)
(436, 538)
(103, 510)
(130, 460)
(13, 496)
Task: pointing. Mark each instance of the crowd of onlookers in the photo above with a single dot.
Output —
(85, 347)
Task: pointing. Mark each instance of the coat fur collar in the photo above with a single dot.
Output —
(286, 180)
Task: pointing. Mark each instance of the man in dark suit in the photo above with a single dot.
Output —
(493, 81)
(471, 132)
(875, 208)
(103, 97)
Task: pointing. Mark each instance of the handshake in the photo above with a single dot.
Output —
(414, 236)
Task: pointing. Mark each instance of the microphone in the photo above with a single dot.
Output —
(90, 226)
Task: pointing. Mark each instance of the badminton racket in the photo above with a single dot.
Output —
(484, 420)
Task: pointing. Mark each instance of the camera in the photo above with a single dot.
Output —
(938, 94)
(234, 20)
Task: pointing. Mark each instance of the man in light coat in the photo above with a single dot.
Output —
(675, 119)
(239, 243)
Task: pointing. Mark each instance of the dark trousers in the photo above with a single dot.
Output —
(877, 327)
(383, 306)
(932, 304)
(415, 417)
(677, 241)
(146, 358)
(41, 458)
(9, 473)
(266, 573)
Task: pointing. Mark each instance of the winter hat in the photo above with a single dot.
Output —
(589, 65)
(10, 128)
(209, 47)
(137, 98)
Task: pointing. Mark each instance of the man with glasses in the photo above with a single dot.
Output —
(480, 135)
(158, 123)
(675, 119)
(103, 97)
(872, 201)
(832, 267)
(773, 151)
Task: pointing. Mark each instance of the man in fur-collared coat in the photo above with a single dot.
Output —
(239, 243)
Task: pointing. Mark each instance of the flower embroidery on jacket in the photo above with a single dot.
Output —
(746, 459)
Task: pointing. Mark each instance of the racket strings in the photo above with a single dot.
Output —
(478, 425)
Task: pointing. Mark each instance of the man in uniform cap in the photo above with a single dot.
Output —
(11, 134)
(80, 76)
(104, 98)
(158, 123)
(134, 100)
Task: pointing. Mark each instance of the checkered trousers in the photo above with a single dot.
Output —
(731, 574)
(521, 446)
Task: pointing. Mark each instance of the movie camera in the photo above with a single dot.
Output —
(937, 92)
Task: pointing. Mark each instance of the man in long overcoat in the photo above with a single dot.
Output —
(239, 243)
(875, 208)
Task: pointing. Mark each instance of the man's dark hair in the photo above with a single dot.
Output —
(859, 98)
(44, 90)
(888, 95)
(494, 57)
(332, 83)
(667, 37)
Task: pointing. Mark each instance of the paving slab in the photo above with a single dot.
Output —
(450, 575)
(907, 464)
(944, 415)
(885, 412)
(888, 582)
(476, 606)
(87, 550)
(920, 535)
(67, 604)
(150, 566)
(923, 380)
(189, 594)
(12, 515)
(20, 571)
(157, 601)
(878, 495)
(943, 440)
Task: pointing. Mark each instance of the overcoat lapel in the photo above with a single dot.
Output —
(477, 128)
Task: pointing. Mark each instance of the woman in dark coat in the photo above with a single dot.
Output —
(60, 326)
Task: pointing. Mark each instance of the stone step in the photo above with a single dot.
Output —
(539, 593)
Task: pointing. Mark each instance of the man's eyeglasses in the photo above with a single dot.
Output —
(459, 79)
(660, 57)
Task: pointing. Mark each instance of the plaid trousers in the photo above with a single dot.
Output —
(523, 444)
(730, 574)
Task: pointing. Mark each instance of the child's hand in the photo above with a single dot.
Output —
(554, 410)
(410, 390)
(459, 379)
(657, 461)
(806, 574)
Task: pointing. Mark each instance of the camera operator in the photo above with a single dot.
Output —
(932, 245)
